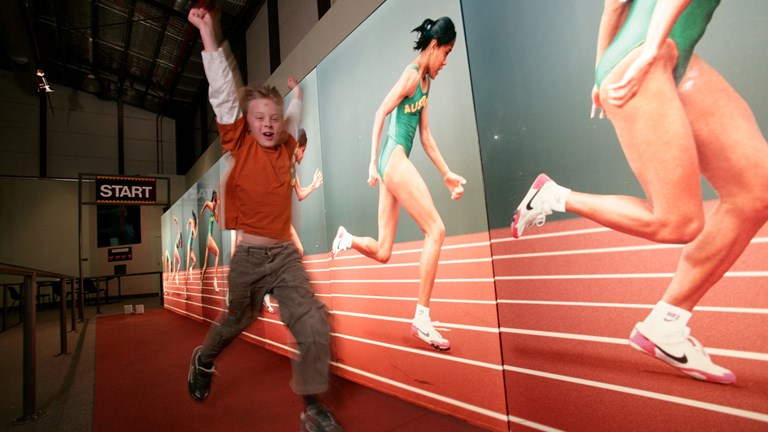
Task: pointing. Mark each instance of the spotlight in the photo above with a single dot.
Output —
(42, 82)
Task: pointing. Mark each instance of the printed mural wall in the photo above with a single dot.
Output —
(538, 326)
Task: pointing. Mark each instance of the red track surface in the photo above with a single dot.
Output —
(538, 332)
(569, 294)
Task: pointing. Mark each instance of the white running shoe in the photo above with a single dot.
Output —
(687, 355)
(343, 241)
(425, 330)
(533, 210)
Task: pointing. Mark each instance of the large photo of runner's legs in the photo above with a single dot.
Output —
(503, 231)
(627, 207)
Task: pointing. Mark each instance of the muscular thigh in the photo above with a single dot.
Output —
(406, 185)
(655, 134)
(732, 150)
(389, 213)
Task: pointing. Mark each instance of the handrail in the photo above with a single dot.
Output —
(30, 276)
(157, 272)
(15, 270)
(107, 278)
(30, 286)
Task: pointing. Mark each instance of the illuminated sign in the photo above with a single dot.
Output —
(126, 190)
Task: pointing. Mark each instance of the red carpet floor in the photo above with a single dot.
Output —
(141, 373)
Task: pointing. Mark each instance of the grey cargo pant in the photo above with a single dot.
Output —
(256, 270)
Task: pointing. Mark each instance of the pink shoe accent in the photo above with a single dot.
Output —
(641, 343)
(728, 378)
(515, 222)
(540, 180)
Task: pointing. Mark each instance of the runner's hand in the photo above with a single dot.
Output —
(596, 104)
(317, 180)
(620, 93)
(454, 183)
(373, 174)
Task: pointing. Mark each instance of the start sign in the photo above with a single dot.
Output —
(126, 190)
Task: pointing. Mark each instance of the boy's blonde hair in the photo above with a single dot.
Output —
(250, 93)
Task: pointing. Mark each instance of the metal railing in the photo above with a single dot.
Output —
(98, 279)
(28, 302)
(31, 279)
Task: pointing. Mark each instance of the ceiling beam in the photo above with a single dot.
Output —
(153, 64)
(273, 21)
(126, 49)
(93, 39)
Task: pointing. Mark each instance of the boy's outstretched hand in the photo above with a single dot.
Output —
(199, 18)
(207, 22)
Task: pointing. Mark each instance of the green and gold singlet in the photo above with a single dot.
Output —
(403, 121)
(686, 32)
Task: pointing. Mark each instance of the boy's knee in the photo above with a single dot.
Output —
(313, 327)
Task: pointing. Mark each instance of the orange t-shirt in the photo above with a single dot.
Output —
(258, 191)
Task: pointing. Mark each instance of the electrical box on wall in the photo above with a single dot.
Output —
(121, 269)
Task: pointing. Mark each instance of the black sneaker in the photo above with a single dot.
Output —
(317, 418)
(199, 378)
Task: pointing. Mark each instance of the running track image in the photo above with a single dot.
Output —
(538, 328)
(569, 294)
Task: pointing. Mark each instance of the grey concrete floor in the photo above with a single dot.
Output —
(64, 383)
